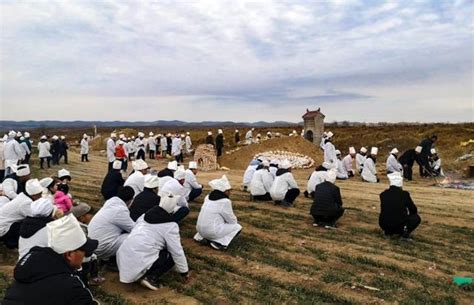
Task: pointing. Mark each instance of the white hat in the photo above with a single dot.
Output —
(55, 137)
(209, 133)
(172, 165)
(18, 134)
(274, 161)
(331, 175)
(352, 150)
(179, 174)
(121, 136)
(33, 187)
(84, 135)
(285, 164)
(27, 134)
(374, 150)
(338, 152)
(42, 207)
(151, 133)
(169, 202)
(187, 133)
(113, 135)
(219, 131)
(182, 135)
(22, 170)
(193, 165)
(12, 133)
(117, 164)
(2, 139)
(363, 150)
(236, 130)
(329, 134)
(325, 134)
(418, 149)
(133, 137)
(394, 151)
(45, 182)
(139, 165)
(265, 163)
(120, 142)
(253, 129)
(151, 181)
(141, 134)
(221, 184)
(63, 173)
(43, 137)
(63, 137)
(433, 151)
(326, 165)
(65, 234)
(395, 179)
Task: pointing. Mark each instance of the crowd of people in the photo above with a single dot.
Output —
(62, 242)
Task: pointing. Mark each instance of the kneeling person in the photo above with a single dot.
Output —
(284, 189)
(261, 183)
(327, 205)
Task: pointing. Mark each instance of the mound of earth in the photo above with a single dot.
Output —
(241, 158)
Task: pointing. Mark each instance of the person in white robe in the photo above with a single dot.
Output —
(261, 183)
(137, 180)
(163, 146)
(248, 174)
(151, 142)
(111, 149)
(85, 148)
(140, 144)
(323, 140)
(284, 189)
(217, 224)
(189, 143)
(44, 152)
(341, 172)
(2, 157)
(330, 151)
(435, 163)
(14, 184)
(347, 162)
(361, 156)
(193, 188)
(176, 148)
(174, 188)
(392, 164)
(369, 172)
(12, 153)
(273, 168)
(249, 136)
(318, 176)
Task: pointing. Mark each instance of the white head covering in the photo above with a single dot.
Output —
(63, 173)
(22, 170)
(113, 135)
(193, 165)
(265, 163)
(236, 130)
(394, 151)
(219, 131)
(179, 174)
(374, 151)
(151, 133)
(65, 234)
(12, 133)
(329, 134)
(18, 134)
(331, 176)
(141, 134)
(209, 133)
(139, 165)
(173, 165)
(33, 187)
(169, 202)
(285, 164)
(433, 151)
(45, 182)
(84, 135)
(151, 181)
(352, 150)
(221, 184)
(395, 179)
(187, 133)
(120, 142)
(418, 149)
(55, 137)
(43, 137)
(182, 135)
(117, 164)
(326, 165)
(63, 137)
(274, 161)
(42, 207)
(338, 152)
(27, 134)
(363, 150)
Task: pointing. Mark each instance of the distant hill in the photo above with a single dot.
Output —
(4, 125)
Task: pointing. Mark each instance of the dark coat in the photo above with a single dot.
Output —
(220, 141)
(21, 185)
(237, 137)
(42, 277)
(165, 172)
(327, 200)
(143, 202)
(210, 140)
(55, 146)
(395, 206)
(426, 145)
(408, 158)
(63, 147)
(111, 184)
(31, 225)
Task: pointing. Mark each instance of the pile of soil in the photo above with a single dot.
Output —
(241, 158)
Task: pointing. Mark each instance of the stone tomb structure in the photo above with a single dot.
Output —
(313, 125)
(206, 158)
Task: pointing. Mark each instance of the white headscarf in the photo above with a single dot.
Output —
(221, 184)
(395, 179)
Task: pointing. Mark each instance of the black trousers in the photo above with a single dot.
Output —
(328, 219)
(424, 165)
(141, 155)
(91, 269)
(291, 195)
(124, 165)
(265, 197)
(2, 175)
(10, 239)
(405, 229)
(55, 157)
(151, 154)
(84, 157)
(219, 151)
(110, 166)
(47, 159)
(162, 265)
(27, 159)
(63, 154)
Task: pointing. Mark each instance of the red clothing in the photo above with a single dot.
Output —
(120, 152)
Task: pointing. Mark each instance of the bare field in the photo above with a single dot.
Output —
(281, 259)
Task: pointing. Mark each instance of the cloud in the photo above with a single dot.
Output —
(232, 55)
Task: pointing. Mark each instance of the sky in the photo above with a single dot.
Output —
(357, 60)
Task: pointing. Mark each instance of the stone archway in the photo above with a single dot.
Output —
(309, 135)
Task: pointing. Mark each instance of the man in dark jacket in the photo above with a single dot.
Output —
(210, 138)
(237, 136)
(55, 147)
(146, 199)
(407, 159)
(112, 181)
(424, 163)
(398, 213)
(169, 170)
(219, 142)
(49, 275)
(327, 205)
(63, 147)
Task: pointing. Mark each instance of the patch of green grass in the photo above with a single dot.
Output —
(426, 297)
(106, 297)
(336, 276)
(318, 253)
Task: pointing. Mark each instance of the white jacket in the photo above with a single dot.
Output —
(140, 144)
(217, 221)
(261, 182)
(249, 136)
(347, 162)
(190, 182)
(341, 170)
(393, 165)
(110, 150)
(25, 149)
(273, 171)
(14, 211)
(330, 154)
(84, 146)
(176, 146)
(369, 173)
(143, 245)
(136, 181)
(316, 178)
(189, 144)
(2, 156)
(163, 143)
(10, 188)
(131, 147)
(12, 152)
(172, 186)
(360, 160)
(248, 174)
(281, 185)
(39, 239)
(151, 141)
(110, 226)
(44, 149)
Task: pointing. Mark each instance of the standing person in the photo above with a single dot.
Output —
(140, 144)
(261, 182)
(249, 136)
(323, 140)
(348, 160)
(163, 145)
(113, 181)
(85, 148)
(63, 148)
(398, 212)
(360, 159)
(55, 149)
(219, 142)
(26, 151)
(327, 204)
(2, 159)
(121, 155)
(151, 141)
(49, 275)
(189, 143)
(29, 144)
(176, 148)
(131, 148)
(44, 151)
(193, 188)
(330, 156)
(426, 145)
(12, 153)
(217, 224)
(407, 160)
(369, 173)
(210, 138)
(393, 166)
(169, 143)
(284, 189)
(237, 136)
(111, 149)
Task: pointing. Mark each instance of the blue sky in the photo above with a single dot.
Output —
(237, 60)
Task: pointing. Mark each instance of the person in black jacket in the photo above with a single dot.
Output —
(169, 170)
(210, 138)
(398, 213)
(327, 205)
(146, 199)
(48, 276)
(426, 145)
(407, 159)
(63, 147)
(112, 181)
(219, 142)
(237, 136)
(55, 147)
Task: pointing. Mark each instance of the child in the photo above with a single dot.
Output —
(61, 198)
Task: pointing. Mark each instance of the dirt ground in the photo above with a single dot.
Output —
(280, 258)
